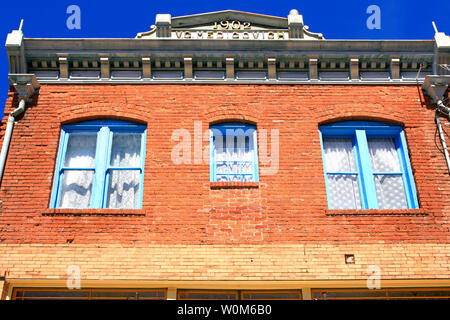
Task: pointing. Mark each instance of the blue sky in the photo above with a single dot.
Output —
(400, 19)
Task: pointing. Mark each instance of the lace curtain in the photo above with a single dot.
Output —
(79, 164)
(77, 184)
(343, 189)
(123, 189)
(389, 187)
(234, 157)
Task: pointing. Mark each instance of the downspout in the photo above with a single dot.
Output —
(25, 86)
(441, 136)
(8, 132)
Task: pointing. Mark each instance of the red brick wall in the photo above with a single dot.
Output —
(180, 207)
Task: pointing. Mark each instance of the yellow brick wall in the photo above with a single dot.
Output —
(222, 262)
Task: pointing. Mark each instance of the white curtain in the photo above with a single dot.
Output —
(383, 155)
(343, 190)
(123, 189)
(77, 184)
(389, 188)
(234, 156)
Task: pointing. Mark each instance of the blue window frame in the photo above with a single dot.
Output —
(366, 166)
(233, 152)
(100, 164)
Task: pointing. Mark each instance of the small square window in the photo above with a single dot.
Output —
(234, 154)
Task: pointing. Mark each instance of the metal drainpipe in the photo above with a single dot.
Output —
(8, 132)
(441, 133)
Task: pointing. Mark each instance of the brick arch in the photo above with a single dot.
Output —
(80, 114)
(74, 120)
(374, 112)
(231, 114)
(361, 118)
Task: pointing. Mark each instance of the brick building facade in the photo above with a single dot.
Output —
(190, 233)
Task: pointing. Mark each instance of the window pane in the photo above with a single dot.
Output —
(80, 151)
(234, 167)
(205, 295)
(349, 294)
(126, 150)
(383, 155)
(234, 157)
(89, 294)
(247, 168)
(76, 189)
(339, 156)
(123, 189)
(237, 178)
(221, 167)
(390, 192)
(152, 294)
(56, 294)
(281, 295)
(343, 192)
(113, 294)
(221, 178)
(220, 150)
(419, 293)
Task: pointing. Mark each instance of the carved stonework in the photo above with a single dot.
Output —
(230, 25)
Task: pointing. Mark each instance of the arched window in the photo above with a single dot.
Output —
(100, 164)
(234, 152)
(367, 166)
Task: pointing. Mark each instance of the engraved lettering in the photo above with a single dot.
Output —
(256, 35)
(236, 25)
(225, 24)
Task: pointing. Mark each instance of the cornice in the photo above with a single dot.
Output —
(296, 56)
(33, 45)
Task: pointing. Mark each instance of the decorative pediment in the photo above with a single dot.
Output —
(210, 18)
(230, 25)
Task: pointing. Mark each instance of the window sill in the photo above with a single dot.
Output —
(233, 185)
(376, 212)
(95, 212)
